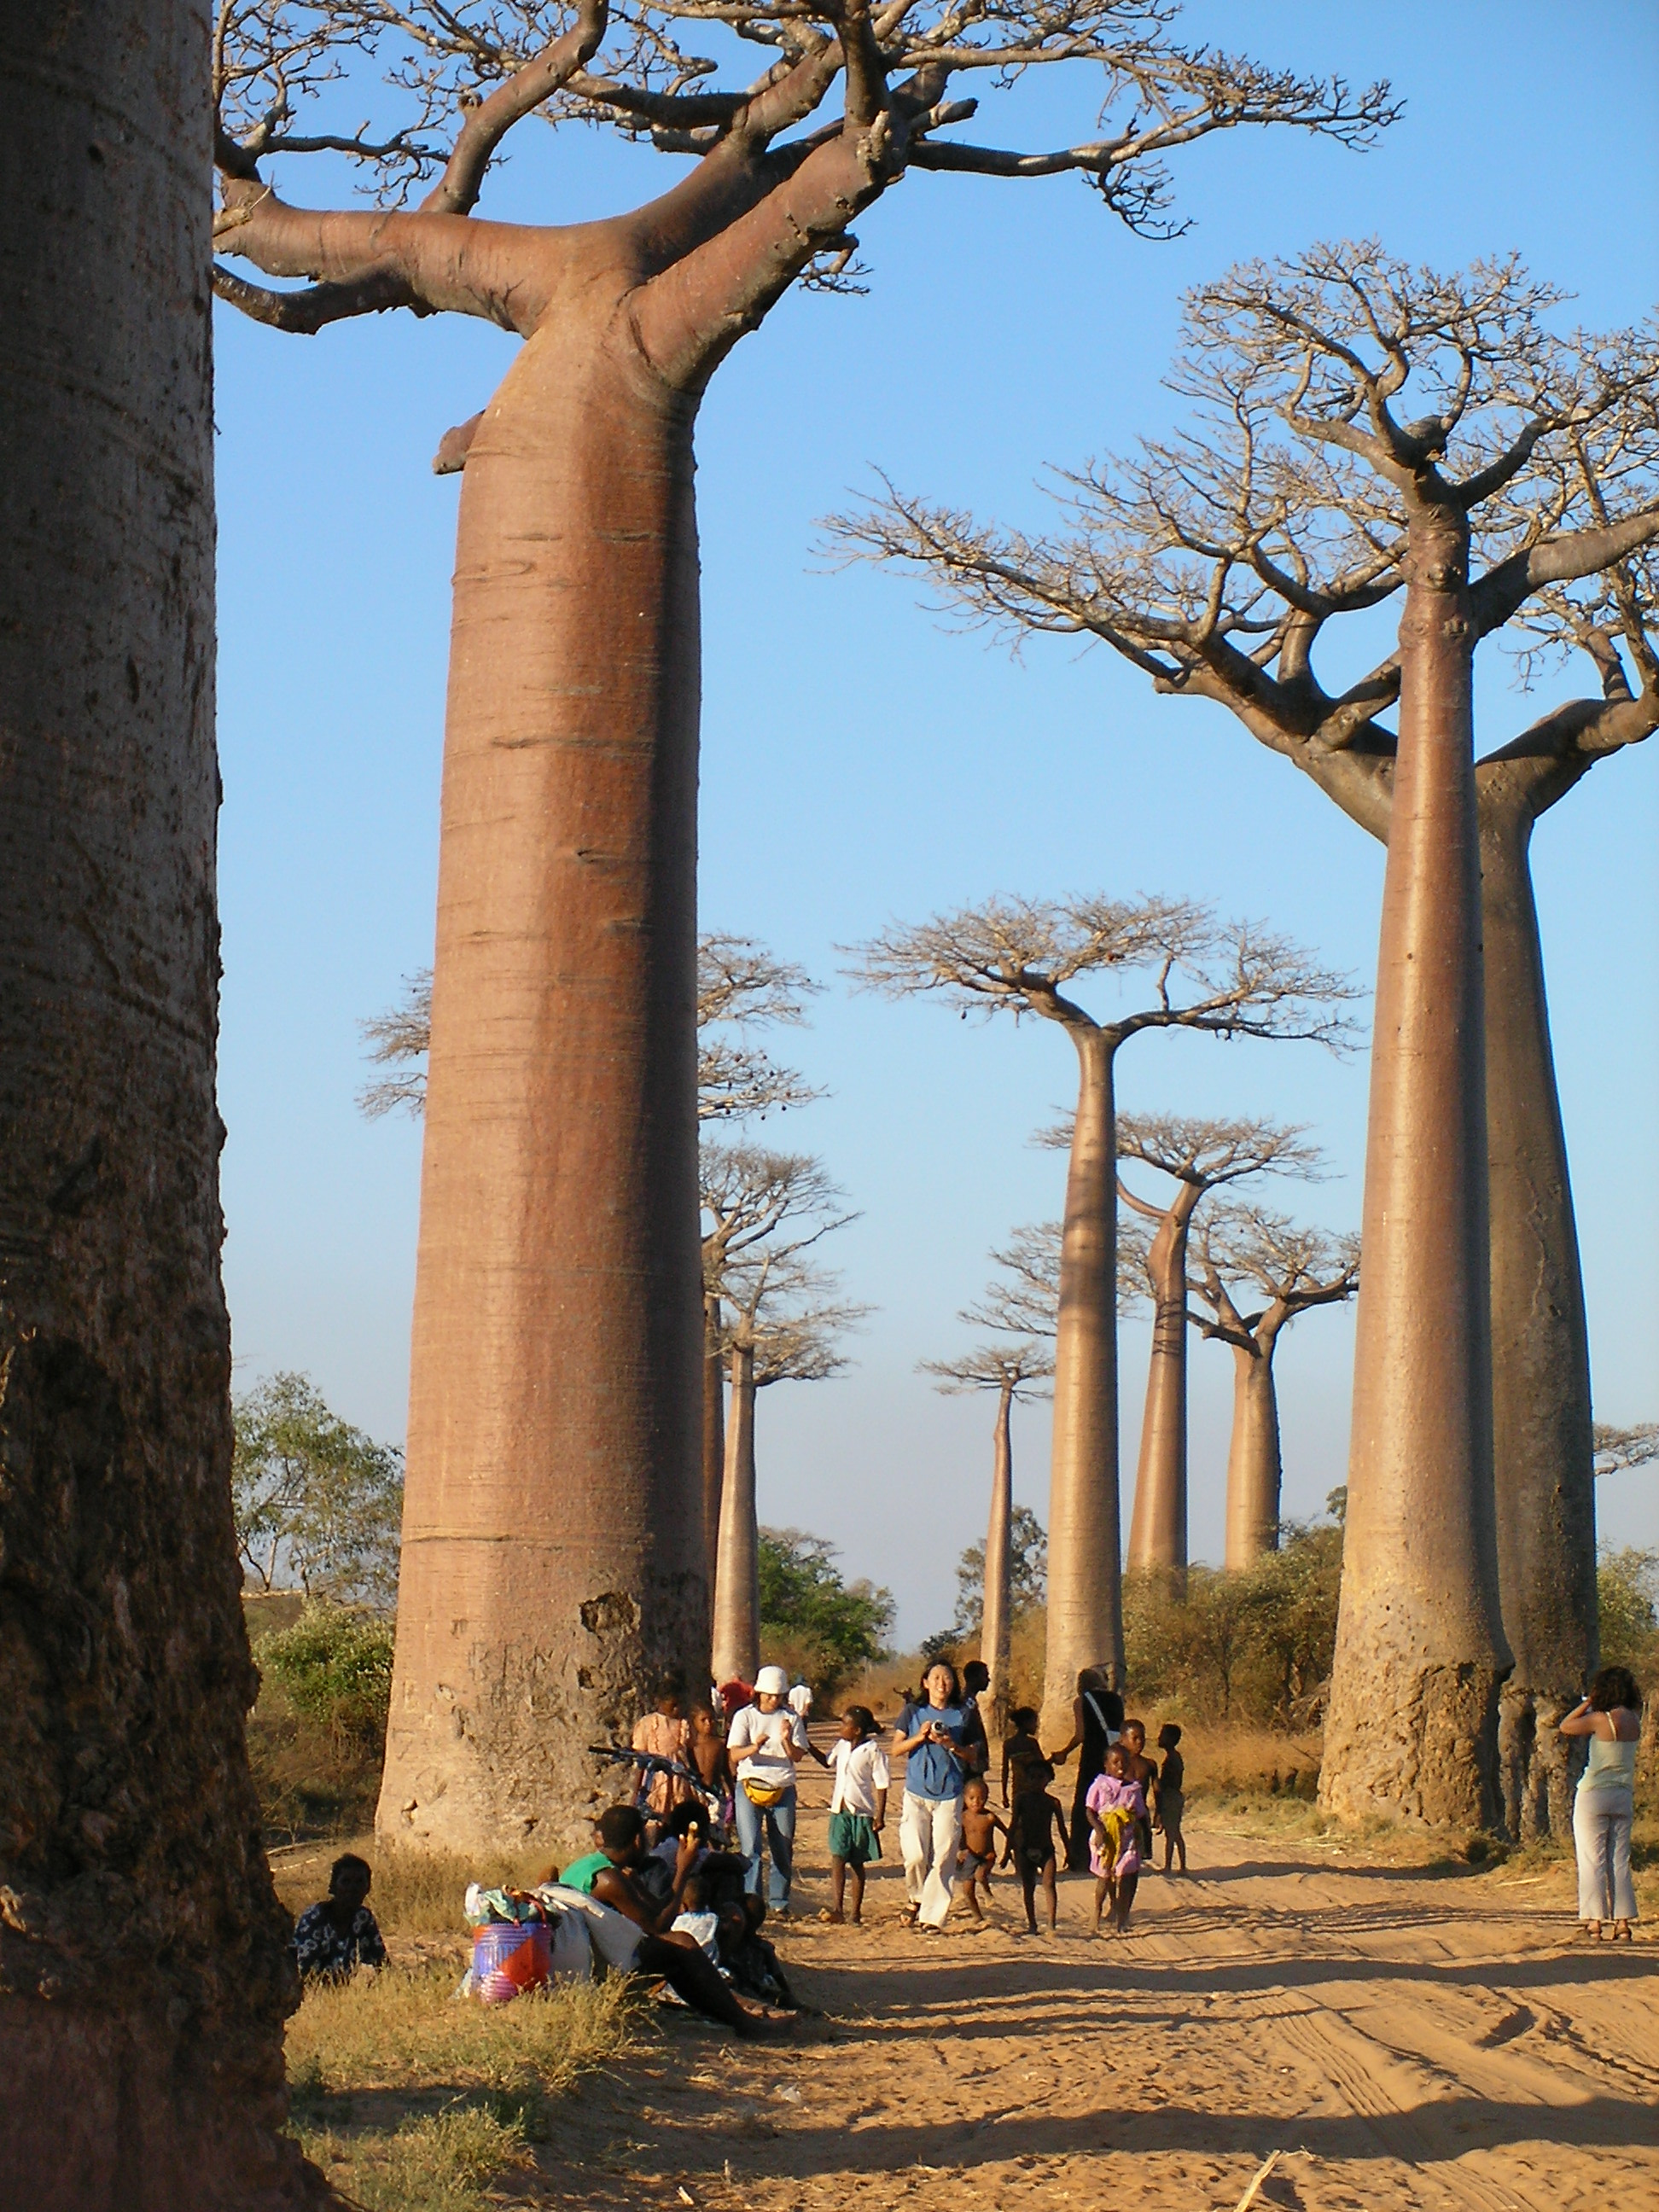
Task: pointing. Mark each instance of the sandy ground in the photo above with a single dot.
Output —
(1403, 2037)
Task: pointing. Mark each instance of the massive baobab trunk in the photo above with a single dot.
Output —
(552, 1500)
(143, 1979)
(995, 1613)
(1086, 1601)
(713, 1435)
(1253, 1465)
(736, 1577)
(1158, 1527)
(1542, 1456)
(1420, 1652)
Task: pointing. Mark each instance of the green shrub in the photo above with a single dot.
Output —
(335, 1666)
(810, 1620)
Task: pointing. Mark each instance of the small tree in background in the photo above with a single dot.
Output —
(1245, 1252)
(811, 1621)
(317, 1503)
(1026, 957)
(1617, 1449)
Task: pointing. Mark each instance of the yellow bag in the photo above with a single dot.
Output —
(763, 1795)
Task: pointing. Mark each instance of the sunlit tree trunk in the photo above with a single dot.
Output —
(1158, 1527)
(995, 1619)
(1086, 1611)
(143, 1979)
(553, 1555)
(714, 1434)
(736, 1577)
(1420, 1654)
(1253, 1465)
(1542, 1456)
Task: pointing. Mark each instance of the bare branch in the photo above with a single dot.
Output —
(1618, 1450)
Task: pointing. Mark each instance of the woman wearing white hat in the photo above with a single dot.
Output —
(763, 1744)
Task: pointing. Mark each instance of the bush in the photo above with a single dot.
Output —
(810, 1620)
(316, 1738)
(336, 1668)
(1627, 1595)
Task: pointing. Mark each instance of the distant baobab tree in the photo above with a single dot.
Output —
(1216, 561)
(781, 1322)
(1026, 957)
(561, 1086)
(1617, 1449)
(1244, 1253)
(1199, 1157)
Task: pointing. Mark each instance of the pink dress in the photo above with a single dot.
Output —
(1106, 1795)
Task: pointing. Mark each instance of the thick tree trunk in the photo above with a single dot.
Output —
(737, 1576)
(994, 1617)
(1086, 1601)
(143, 1978)
(1420, 1654)
(1158, 1527)
(1254, 1467)
(1543, 1464)
(552, 1557)
(713, 1435)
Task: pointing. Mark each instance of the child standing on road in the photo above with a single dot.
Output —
(1171, 1795)
(1036, 1818)
(1024, 1762)
(1116, 1808)
(980, 1830)
(858, 1809)
(1137, 1767)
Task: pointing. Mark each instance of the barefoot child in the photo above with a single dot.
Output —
(858, 1809)
(1116, 1807)
(1035, 1819)
(977, 1852)
(1171, 1795)
(1022, 1754)
(1137, 1767)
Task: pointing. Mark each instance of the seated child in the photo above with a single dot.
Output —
(1035, 1819)
(696, 1920)
(1022, 1757)
(1116, 1807)
(980, 1830)
(1171, 1795)
(332, 1940)
(858, 1809)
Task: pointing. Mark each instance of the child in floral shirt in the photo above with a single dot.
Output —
(1116, 1807)
(333, 1939)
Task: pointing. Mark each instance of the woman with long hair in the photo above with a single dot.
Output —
(1611, 1716)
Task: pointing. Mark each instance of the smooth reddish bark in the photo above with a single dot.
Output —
(143, 1974)
(714, 1433)
(996, 1615)
(1412, 1726)
(737, 1571)
(1158, 1527)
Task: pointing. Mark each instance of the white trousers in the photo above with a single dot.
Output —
(930, 1830)
(1600, 1831)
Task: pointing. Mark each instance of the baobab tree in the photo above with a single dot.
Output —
(563, 1145)
(1015, 1371)
(1199, 1157)
(143, 1976)
(1022, 956)
(779, 1323)
(1244, 1249)
(1617, 1449)
(1215, 561)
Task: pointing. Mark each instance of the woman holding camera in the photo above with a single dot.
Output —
(1611, 1716)
(938, 1762)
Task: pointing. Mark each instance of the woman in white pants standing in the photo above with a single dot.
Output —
(1611, 1716)
(937, 1765)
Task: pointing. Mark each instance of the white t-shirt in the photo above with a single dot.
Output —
(861, 1770)
(764, 1737)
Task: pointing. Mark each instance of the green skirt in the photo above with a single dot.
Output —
(852, 1837)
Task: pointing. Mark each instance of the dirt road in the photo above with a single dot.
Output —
(1406, 2039)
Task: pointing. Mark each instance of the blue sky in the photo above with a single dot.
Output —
(862, 761)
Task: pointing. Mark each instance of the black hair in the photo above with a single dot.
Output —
(975, 1677)
(953, 1695)
(1168, 1735)
(683, 1818)
(1024, 1718)
(667, 1686)
(1614, 1686)
(621, 1826)
(864, 1716)
(348, 1862)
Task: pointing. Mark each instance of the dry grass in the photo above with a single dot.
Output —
(412, 2100)
(414, 1893)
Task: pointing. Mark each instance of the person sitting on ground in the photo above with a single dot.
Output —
(664, 1735)
(333, 1939)
(1137, 1767)
(1096, 1717)
(1171, 1795)
(1024, 1759)
(858, 1809)
(1605, 1803)
(698, 1919)
(1117, 1809)
(631, 1934)
(980, 1830)
(1035, 1819)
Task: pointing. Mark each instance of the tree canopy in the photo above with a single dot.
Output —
(318, 1504)
(830, 1627)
